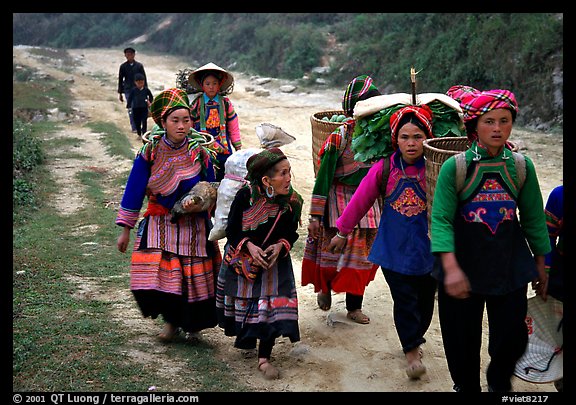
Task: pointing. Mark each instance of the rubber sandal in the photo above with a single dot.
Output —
(269, 372)
(324, 301)
(358, 316)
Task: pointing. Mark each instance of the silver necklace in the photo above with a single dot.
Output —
(415, 181)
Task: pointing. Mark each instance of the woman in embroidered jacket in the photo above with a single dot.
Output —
(487, 254)
(173, 269)
(337, 180)
(402, 246)
(213, 112)
(263, 222)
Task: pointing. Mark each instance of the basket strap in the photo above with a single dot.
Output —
(520, 163)
(460, 171)
(385, 176)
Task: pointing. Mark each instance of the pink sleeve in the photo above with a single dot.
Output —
(233, 127)
(363, 198)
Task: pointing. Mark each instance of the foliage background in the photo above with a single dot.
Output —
(519, 51)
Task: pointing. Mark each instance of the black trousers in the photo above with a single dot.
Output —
(140, 116)
(265, 348)
(353, 302)
(461, 326)
(413, 298)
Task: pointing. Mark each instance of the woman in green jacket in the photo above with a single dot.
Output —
(487, 253)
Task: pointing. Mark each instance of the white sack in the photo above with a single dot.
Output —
(235, 172)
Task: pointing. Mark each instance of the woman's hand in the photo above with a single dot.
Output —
(337, 244)
(314, 228)
(258, 255)
(190, 206)
(540, 283)
(123, 239)
(273, 252)
(456, 283)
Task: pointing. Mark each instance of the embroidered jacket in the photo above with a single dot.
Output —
(493, 245)
(217, 117)
(402, 243)
(164, 173)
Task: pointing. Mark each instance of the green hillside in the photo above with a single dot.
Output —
(519, 51)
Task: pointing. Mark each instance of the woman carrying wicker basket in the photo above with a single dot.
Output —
(402, 246)
(338, 177)
(487, 255)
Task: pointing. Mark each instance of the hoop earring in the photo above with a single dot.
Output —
(270, 194)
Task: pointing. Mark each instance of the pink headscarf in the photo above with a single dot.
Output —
(422, 113)
(456, 92)
(475, 103)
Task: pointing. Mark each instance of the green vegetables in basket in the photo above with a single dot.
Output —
(335, 118)
(372, 140)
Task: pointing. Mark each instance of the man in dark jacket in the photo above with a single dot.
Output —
(126, 79)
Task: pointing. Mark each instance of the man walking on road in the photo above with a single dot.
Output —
(126, 79)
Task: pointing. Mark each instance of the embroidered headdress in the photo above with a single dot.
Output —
(359, 86)
(259, 163)
(166, 101)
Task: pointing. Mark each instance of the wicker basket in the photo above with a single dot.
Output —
(320, 131)
(436, 152)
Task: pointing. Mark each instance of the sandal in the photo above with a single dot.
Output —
(358, 316)
(324, 301)
(269, 372)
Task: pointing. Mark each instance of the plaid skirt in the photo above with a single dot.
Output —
(265, 308)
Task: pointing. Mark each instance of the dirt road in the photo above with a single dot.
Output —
(334, 353)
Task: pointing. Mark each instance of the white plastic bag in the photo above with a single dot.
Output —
(235, 169)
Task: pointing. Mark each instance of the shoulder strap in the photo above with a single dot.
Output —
(520, 163)
(385, 176)
(273, 226)
(460, 171)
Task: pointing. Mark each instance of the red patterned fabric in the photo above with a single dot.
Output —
(475, 103)
(422, 113)
(456, 92)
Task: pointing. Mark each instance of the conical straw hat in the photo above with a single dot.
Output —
(195, 77)
(543, 360)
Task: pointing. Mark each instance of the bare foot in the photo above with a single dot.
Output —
(324, 300)
(168, 333)
(268, 370)
(415, 367)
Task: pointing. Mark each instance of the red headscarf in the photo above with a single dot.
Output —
(423, 113)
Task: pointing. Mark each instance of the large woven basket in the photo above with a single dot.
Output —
(436, 152)
(320, 131)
